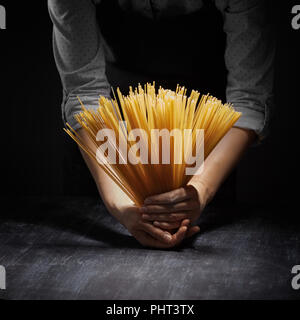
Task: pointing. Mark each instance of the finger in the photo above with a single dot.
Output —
(179, 235)
(192, 231)
(173, 196)
(167, 208)
(185, 222)
(171, 217)
(167, 225)
(172, 226)
(148, 241)
(157, 233)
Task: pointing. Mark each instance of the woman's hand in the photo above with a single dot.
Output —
(168, 210)
(187, 202)
(123, 209)
(148, 234)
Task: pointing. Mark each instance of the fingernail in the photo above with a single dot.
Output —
(168, 237)
(156, 223)
(143, 209)
(145, 216)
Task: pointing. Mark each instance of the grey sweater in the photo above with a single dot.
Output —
(80, 55)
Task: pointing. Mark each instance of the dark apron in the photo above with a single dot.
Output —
(186, 49)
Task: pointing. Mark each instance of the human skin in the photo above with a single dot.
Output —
(166, 219)
(169, 209)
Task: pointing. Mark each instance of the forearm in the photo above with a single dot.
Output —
(217, 166)
(223, 159)
(108, 189)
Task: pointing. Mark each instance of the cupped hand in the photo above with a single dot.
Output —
(168, 210)
(148, 234)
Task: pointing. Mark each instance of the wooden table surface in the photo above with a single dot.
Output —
(71, 248)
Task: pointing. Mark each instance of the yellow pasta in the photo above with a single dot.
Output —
(146, 109)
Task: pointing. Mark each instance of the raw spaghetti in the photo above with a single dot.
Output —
(145, 109)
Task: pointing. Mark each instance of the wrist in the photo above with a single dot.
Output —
(115, 211)
(206, 191)
(116, 208)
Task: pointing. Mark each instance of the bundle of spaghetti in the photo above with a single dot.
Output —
(145, 109)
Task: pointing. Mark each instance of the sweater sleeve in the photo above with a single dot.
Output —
(79, 55)
(249, 59)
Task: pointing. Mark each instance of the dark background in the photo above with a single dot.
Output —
(34, 157)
